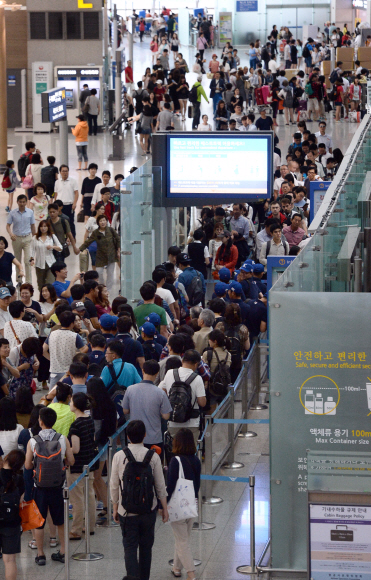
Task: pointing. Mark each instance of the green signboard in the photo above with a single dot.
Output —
(320, 383)
(41, 87)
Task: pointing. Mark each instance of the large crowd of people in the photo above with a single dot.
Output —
(78, 360)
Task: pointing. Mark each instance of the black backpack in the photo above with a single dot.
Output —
(220, 377)
(9, 506)
(138, 101)
(332, 95)
(285, 245)
(48, 175)
(137, 491)
(180, 397)
(334, 76)
(23, 163)
(193, 95)
(194, 291)
(265, 54)
(306, 52)
(116, 391)
(236, 350)
(150, 352)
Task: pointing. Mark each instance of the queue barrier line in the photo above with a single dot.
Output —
(225, 478)
(242, 421)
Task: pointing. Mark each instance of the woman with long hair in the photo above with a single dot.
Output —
(238, 335)
(33, 172)
(102, 303)
(214, 245)
(103, 413)
(7, 370)
(24, 405)
(42, 246)
(275, 100)
(48, 301)
(9, 427)
(146, 77)
(11, 480)
(146, 127)
(227, 254)
(154, 48)
(13, 183)
(183, 94)
(7, 259)
(184, 451)
(221, 117)
(217, 353)
(175, 44)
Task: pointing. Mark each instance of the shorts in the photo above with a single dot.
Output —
(308, 61)
(104, 457)
(10, 540)
(313, 104)
(145, 131)
(50, 498)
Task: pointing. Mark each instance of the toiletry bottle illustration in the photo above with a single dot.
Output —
(309, 402)
(330, 406)
(318, 404)
(368, 388)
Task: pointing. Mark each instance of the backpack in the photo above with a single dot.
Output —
(180, 397)
(332, 95)
(137, 489)
(309, 89)
(150, 352)
(23, 163)
(48, 176)
(285, 244)
(236, 350)
(306, 52)
(9, 506)
(6, 182)
(334, 76)
(220, 377)
(116, 391)
(138, 101)
(194, 291)
(289, 98)
(264, 54)
(49, 470)
(193, 95)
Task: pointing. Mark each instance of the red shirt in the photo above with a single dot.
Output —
(128, 74)
(159, 92)
(109, 210)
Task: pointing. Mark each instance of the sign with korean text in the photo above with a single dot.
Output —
(247, 6)
(320, 385)
(53, 104)
(317, 192)
(340, 542)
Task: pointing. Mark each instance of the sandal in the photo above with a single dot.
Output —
(177, 575)
(32, 545)
(53, 542)
(74, 537)
(103, 513)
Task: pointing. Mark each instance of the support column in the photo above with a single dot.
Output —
(3, 92)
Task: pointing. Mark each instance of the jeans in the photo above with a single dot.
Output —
(196, 115)
(216, 98)
(54, 378)
(138, 531)
(67, 210)
(93, 124)
(82, 153)
(253, 63)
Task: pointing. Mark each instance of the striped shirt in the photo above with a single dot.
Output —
(84, 429)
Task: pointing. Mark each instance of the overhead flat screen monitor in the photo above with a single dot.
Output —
(219, 167)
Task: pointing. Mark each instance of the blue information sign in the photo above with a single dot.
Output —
(317, 192)
(247, 6)
(53, 105)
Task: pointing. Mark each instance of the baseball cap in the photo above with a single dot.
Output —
(258, 268)
(249, 261)
(183, 259)
(247, 267)
(148, 329)
(233, 70)
(108, 322)
(236, 287)
(158, 82)
(4, 293)
(224, 274)
(153, 318)
(221, 288)
(77, 305)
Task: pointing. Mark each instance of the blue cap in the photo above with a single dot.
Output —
(247, 267)
(235, 274)
(153, 318)
(148, 329)
(236, 287)
(224, 274)
(249, 261)
(4, 293)
(221, 288)
(258, 268)
(108, 322)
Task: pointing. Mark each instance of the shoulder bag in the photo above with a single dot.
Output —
(183, 504)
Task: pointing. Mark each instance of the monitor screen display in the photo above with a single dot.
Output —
(219, 165)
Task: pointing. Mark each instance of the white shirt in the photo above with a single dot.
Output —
(345, 85)
(273, 66)
(326, 139)
(62, 349)
(278, 182)
(65, 188)
(9, 440)
(4, 317)
(41, 254)
(45, 309)
(198, 390)
(287, 52)
(91, 225)
(96, 195)
(22, 329)
(206, 250)
(276, 161)
(203, 127)
(165, 295)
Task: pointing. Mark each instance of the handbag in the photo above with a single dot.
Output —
(183, 504)
(209, 75)
(86, 106)
(80, 217)
(27, 182)
(30, 515)
(280, 105)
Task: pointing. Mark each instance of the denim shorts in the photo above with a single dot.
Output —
(145, 131)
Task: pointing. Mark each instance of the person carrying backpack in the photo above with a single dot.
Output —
(46, 453)
(137, 481)
(152, 349)
(192, 280)
(307, 55)
(238, 336)
(49, 175)
(195, 95)
(11, 489)
(219, 360)
(186, 392)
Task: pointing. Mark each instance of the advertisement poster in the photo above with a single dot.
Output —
(225, 27)
(340, 542)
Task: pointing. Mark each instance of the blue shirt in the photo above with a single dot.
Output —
(133, 350)
(186, 276)
(96, 356)
(129, 375)
(61, 287)
(21, 221)
(257, 314)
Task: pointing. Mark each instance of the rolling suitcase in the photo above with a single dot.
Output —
(265, 93)
(259, 97)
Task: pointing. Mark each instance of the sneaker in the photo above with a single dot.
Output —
(40, 560)
(7, 209)
(58, 557)
(100, 506)
(53, 543)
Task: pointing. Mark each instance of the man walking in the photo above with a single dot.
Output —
(138, 529)
(197, 105)
(23, 222)
(66, 190)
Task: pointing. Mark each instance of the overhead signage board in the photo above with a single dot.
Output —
(53, 104)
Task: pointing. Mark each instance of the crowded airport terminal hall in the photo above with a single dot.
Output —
(185, 243)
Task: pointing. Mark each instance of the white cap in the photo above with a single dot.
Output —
(233, 70)
(159, 82)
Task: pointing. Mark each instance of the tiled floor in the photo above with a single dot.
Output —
(227, 546)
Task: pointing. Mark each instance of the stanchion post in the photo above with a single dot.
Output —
(231, 463)
(208, 464)
(245, 433)
(200, 525)
(251, 569)
(66, 504)
(256, 406)
(87, 556)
